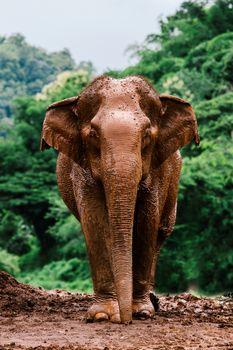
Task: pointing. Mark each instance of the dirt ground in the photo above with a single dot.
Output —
(32, 318)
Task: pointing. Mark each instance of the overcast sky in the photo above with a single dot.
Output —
(95, 30)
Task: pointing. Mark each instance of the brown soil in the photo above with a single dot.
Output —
(32, 318)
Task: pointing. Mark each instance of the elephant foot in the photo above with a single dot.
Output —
(104, 310)
(143, 308)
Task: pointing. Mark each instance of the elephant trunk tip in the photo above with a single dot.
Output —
(126, 319)
(125, 313)
(126, 323)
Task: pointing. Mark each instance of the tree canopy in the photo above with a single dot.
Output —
(25, 69)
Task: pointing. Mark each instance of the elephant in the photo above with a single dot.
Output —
(118, 170)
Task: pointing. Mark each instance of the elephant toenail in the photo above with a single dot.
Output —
(89, 319)
(115, 318)
(101, 316)
(143, 314)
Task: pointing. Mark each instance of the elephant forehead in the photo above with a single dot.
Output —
(119, 93)
(117, 120)
(132, 93)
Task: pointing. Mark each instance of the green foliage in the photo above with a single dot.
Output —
(32, 259)
(191, 57)
(70, 274)
(9, 262)
(25, 69)
(66, 232)
(66, 85)
(15, 235)
(35, 224)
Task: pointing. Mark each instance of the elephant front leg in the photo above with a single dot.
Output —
(95, 228)
(105, 306)
(150, 231)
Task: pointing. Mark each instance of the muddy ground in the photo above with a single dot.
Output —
(32, 318)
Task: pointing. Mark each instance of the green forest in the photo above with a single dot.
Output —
(191, 56)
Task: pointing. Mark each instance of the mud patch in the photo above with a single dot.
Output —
(32, 318)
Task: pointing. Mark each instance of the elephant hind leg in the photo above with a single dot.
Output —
(165, 229)
(163, 233)
(144, 236)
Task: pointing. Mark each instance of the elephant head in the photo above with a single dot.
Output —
(120, 130)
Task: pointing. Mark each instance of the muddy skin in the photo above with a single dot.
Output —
(118, 171)
(35, 319)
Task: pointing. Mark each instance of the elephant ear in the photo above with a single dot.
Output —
(177, 127)
(61, 129)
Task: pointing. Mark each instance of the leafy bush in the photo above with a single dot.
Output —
(9, 262)
(70, 274)
(15, 234)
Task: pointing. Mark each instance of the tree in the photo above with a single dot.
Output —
(27, 176)
(25, 69)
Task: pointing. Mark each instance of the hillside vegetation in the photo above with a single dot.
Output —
(191, 57)
(25, 69)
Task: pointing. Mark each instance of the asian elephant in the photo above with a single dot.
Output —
(118, 170)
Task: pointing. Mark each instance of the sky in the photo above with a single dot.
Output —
(93, 30)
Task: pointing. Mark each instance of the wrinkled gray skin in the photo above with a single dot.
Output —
(118, 171)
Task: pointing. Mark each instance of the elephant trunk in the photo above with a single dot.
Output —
(121, 184)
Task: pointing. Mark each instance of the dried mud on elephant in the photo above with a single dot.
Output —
(32, 318)
(118, 171)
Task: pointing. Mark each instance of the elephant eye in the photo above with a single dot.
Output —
(94, 140)
(93, 133)
(146, 140)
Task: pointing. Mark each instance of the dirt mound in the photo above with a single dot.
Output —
(17, 298)
(32, 318)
